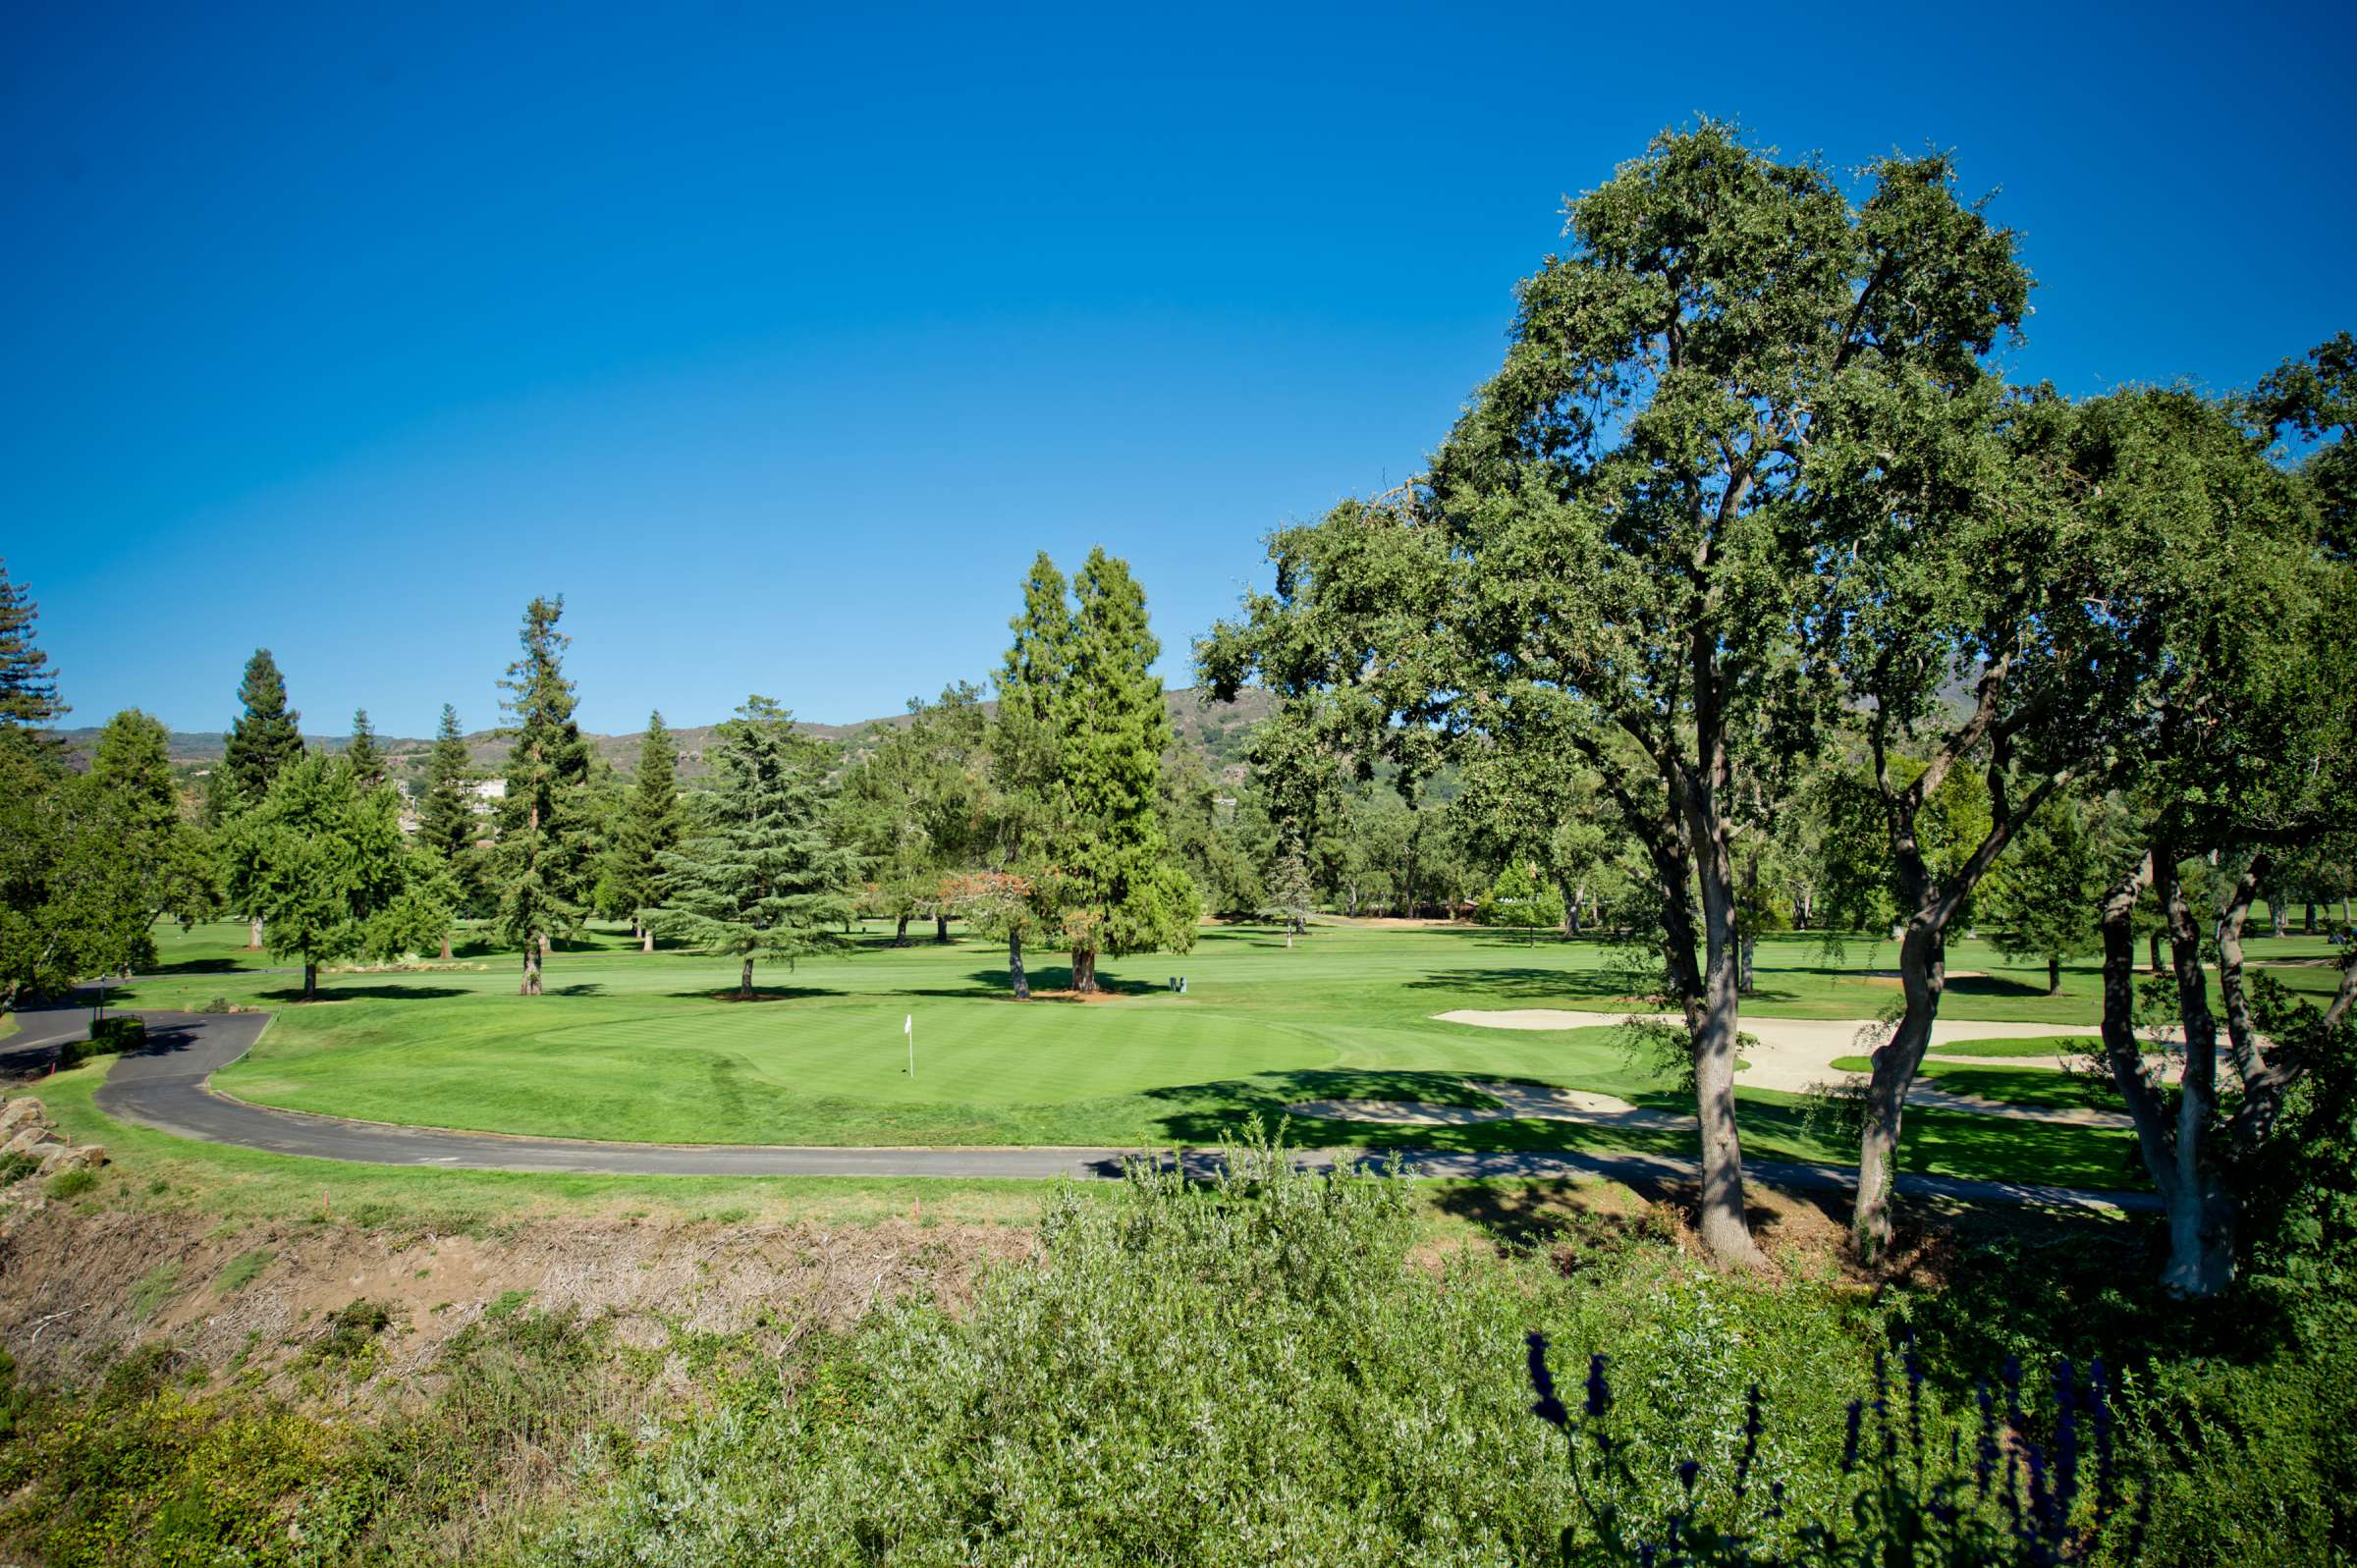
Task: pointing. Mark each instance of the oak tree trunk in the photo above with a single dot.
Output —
(940, 928)
(531, 968)
(1922, 978)
(1014, 966)
(253, 928)
(1085, 970)
(1714, 1019)
(899, 933)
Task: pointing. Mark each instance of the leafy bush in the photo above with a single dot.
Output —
(73, 1183)
(1256, 1371)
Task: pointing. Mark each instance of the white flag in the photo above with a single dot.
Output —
(909, 1024)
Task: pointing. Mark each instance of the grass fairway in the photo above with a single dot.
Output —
(644, 1048)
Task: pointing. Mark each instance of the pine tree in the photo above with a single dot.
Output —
(2040, 899)
(266, 735)
(763, 880)
(448, 828)
(544, 845)
(646, 829)
(1125, 892)
(28, 688)
(367, 757)
(262, 742)
(323, 862)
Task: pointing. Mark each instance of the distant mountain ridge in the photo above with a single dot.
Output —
(1218, 729)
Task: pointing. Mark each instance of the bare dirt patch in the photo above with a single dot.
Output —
(77, 1286)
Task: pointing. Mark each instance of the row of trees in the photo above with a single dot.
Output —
(1750, 518)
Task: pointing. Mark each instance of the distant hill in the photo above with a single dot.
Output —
(1217, 728)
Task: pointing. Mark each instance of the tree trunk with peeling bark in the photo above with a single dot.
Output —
(532, 970)
(253, 932)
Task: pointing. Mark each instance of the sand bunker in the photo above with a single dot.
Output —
(1528, 1019)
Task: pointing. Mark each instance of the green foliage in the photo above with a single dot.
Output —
(265, 738)
(1520, 900)
(324, 865)
(1124, 892)
(78, 890)
(647, 827)
(367, 757)
(544, 860)
(2040, 899)
(28, 688)
(73, 1183)
(448, 826)
(760, 879)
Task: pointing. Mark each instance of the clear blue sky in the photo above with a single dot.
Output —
(778, 346)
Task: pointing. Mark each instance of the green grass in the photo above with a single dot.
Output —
(242, 1270)
(635, 1046)
(2021, 1085)
(2044, 1045)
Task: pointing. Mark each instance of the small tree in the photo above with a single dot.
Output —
(1290, 892)
(324, 863)
(763, 880)
(449, 830)
(1520, 899)
(367, 758)
(646, 830)
(132, 768)
(2039, 901)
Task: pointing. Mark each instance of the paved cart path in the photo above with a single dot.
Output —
(166, 1087)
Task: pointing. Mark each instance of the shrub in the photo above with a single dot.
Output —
(73, 1183)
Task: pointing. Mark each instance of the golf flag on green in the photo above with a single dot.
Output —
(908, 1028)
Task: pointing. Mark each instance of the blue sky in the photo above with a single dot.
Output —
(778, 344)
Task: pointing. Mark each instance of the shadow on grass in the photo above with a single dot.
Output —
(997, 982)
(760, 993)
(329, 991)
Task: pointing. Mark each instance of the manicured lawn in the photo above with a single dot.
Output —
(635, 1046)
(2022, 1086)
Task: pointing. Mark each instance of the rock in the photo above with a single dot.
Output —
(17, 1112)
(28, 1139)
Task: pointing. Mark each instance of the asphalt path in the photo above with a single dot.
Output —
(166, 1086)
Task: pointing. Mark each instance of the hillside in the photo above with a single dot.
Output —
(1217, 728)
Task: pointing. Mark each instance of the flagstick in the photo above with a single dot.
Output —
(908, 1028)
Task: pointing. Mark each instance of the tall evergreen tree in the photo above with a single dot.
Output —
(28, 688)
(266, 735)
(448, 828)
(1125, 891)
(543, 858)
(1025, 742)
(367, 757)
(762, 879)
(647, 827)
(263, 740)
